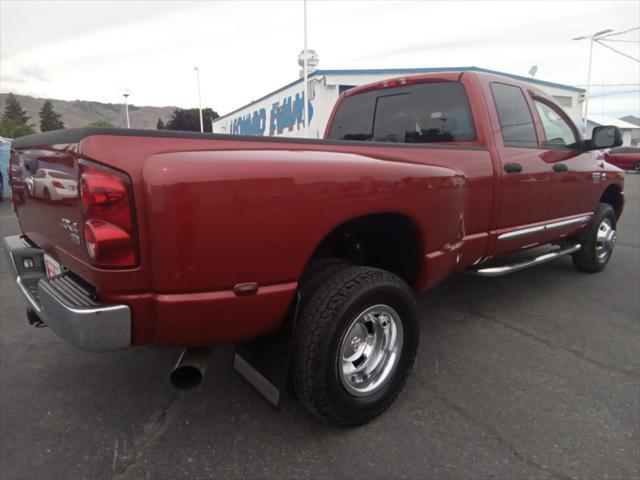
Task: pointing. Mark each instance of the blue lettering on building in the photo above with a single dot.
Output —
(250, 124)
(284, 116)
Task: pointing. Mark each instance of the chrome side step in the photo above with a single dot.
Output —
(531, 262)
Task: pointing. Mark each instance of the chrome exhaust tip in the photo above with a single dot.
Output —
(190, 368)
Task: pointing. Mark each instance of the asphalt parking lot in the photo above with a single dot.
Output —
(533, 375)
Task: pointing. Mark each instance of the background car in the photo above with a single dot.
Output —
(52, 185)
(626, 158)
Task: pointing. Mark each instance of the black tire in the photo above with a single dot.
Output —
(594, 254)
(316, 273)
(322, 327)
(636, 167)
(46, 195)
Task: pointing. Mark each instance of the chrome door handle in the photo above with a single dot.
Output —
(560, 168)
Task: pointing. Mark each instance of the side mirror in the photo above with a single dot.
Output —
(605, 137)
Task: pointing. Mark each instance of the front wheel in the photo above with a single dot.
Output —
(356, 341)
(597, 241)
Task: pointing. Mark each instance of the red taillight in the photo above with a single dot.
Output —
(397, 82)
(108, 214)
(108, 244)
(392, 83)
(101, 189)
(90, 241)
(57, 184)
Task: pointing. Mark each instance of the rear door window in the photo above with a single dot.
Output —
(354, 119)
(515, 117)
(420, 113)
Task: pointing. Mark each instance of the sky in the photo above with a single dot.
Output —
(98, 50)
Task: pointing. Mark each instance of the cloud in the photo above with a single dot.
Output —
(410, 49)
(11, 79)
(246, 49)
(34, 72)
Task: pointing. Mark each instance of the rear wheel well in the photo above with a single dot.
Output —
(613, 196)
(389, 241)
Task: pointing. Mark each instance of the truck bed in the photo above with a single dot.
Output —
(214, 211)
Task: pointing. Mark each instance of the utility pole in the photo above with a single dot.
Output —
(304, 68)
(591, 38)
(199, 99)
(126, 108)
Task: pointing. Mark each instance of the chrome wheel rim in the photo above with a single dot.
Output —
(370, 350)
(605, 240)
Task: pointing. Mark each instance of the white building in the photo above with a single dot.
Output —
(280, 113)
(629, 130)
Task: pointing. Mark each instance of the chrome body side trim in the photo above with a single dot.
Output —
(521, 233)
(566, 223)
(547, 226)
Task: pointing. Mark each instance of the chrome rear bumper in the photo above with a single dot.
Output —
(65, 305)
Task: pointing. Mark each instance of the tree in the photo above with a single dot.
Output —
(14, 119)
(160, 125)
(49, 120)
(189, 119)
(101, 124)
(13, 129)
(13, 110)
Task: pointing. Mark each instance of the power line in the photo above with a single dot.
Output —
(626, 41)
(610, 85)
(614, 93)
(615, 34)
(617, 51)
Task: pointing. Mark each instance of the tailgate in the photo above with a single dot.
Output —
(45, 189)
(79, 211)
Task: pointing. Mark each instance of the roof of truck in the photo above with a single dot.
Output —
(407, 71)
(413, 71)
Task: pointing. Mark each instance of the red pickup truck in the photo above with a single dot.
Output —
(163, 238)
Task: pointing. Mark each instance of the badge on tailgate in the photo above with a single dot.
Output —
(72, 228)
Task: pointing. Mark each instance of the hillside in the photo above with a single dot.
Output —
(79, 113)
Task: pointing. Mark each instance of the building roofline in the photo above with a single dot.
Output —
(299, 80)
(610, 120)
(530, 80)
(405, 71)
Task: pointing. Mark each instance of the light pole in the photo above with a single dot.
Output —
(126, 108)
(199, 99)
(304, 68)
(591, 38)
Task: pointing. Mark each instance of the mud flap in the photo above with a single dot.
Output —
(264, 362)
